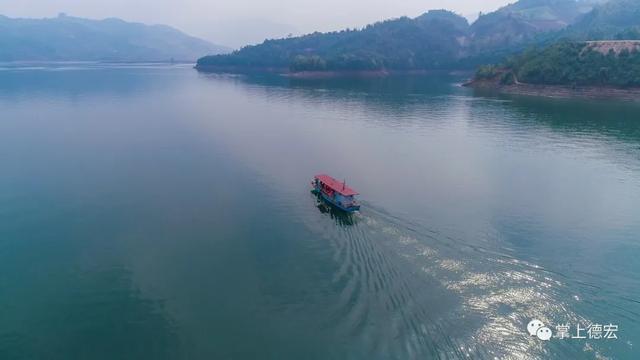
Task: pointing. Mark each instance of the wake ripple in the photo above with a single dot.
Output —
(406, 291)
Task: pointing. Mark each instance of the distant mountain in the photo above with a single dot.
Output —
(433, 40)
(67, 38)
(523, 21)
(615, 19)
(602, 48)
(438, 39)
(441, 39)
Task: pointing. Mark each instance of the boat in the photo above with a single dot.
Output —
(335, 192)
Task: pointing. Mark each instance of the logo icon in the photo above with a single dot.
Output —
(533, 326)
(539, 329)
(544, 333)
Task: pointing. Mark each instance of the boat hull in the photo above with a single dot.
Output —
(329, 200)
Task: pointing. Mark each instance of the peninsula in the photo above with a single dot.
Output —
(593, 69)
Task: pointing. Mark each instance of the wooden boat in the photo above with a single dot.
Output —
(335, 193)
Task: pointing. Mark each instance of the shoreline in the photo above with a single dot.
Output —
(311, 75)
(238, 69)
(336, 74)
(558, 91)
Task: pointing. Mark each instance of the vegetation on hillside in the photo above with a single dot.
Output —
(438, 39)
(427, 42)
(443, 40)
(614, 19)
(523, 22)
(568, 60)
(569, 63)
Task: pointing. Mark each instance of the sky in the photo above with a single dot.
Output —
(239, 22)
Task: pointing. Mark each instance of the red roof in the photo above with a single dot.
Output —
(338, 186)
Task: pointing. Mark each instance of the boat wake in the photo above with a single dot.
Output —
(407, 291)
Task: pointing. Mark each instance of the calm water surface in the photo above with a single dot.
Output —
(151, 212)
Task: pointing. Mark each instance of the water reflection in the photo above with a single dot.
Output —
(392, 99)
(69, 80)
(341, 218)
(405, 95)
(597, 119)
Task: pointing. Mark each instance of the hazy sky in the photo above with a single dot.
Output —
(236, 22)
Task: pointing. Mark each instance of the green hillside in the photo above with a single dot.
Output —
(578, 64)
(438, 39)
(521, 22)
(602, 48)
(615, 19)
(443, 40)
(433, 40)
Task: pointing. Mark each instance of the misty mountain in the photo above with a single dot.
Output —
(602, 48)
(439, 39)
(615, 19)
(523, 21)
(432, 40)
(67, 38)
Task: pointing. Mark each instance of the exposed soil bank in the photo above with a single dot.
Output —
(336, 74)
(558, 91)
(240, 69)
(320, 74)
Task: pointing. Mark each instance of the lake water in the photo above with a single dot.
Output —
(152, 212)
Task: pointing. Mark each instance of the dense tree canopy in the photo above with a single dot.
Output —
(612, 19)
(443, 40)
(438, 39)
(430, 41)
(571, 63)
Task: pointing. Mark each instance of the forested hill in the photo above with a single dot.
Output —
(439, 39)
(594, 63)
(521, 22)
(67, 38)
(432, 40)
(612, 20)
(601, 49)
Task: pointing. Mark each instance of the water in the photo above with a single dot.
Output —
(151, 212)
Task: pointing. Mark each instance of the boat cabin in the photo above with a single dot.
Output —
(335, 192)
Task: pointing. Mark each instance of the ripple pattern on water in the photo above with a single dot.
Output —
(386, 267)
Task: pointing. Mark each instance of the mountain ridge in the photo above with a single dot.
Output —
(68, 38)
(601, 50)
(437, 39)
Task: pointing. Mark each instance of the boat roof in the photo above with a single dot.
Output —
(338, 186)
